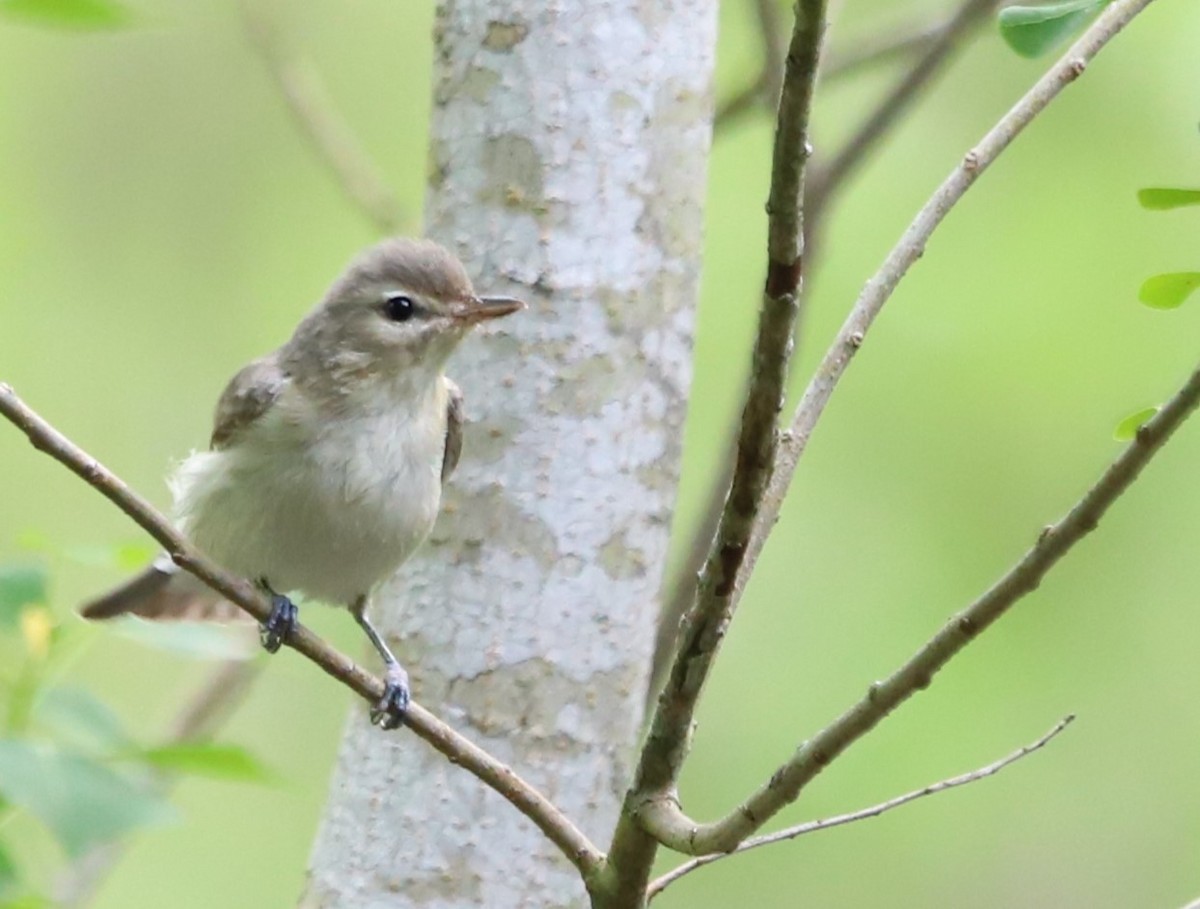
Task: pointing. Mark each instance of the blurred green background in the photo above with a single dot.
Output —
(161, 223)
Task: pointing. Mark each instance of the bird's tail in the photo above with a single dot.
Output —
(162, 591)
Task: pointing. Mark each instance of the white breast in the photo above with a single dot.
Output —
(326, 507)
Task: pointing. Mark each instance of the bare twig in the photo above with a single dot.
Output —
(746, 99)
(910, 248)
(791, 833)
(497, 775)
(670, 728)
(198, 721)
(764, 89)
(771, 32)
(663, 817)
(889, 45)
(223, 692)
(872, 50)
(939, 41)
(828, 178)
(315, 116)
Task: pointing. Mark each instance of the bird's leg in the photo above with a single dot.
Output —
(280, 623)
(389, 712)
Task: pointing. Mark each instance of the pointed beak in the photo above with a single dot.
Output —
(483, 309)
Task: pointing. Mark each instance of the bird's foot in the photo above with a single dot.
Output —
(389, 712)
(280, 624)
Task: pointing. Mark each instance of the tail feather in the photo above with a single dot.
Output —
(162, 591)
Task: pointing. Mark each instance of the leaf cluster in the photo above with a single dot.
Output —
(67, 760)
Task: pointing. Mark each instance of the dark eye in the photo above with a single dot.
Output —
(398, 307)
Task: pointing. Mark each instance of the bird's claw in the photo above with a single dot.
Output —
(279, 624)
(389, 712)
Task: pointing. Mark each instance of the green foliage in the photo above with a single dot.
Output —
(1170, 290)
(221, 762)
(1162, 199)
(75, 14)
(1032, 31)
(20, 586)
(81, 801)
(1126, 430)
(76, 716)
(66, 758)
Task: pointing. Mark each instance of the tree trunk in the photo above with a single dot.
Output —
(569, 148)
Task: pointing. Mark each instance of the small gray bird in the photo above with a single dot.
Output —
(328, 456)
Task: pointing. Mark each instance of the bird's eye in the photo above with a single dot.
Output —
(399, 307)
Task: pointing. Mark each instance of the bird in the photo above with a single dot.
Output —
(327, 457)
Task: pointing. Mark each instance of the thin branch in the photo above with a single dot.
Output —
(939, 40)
(791, 833)
(771, 33)
(198, 721)
(828, 178)
(663, 817)
(764, 90)
(670, 729)
(210, 708)
(890, 44)
(909, 249)
(495, 774)
(314, 114)
(884, 47)
(746, 99)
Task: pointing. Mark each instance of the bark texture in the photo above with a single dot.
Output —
(568, 158)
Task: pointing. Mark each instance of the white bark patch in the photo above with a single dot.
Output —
(569, 145)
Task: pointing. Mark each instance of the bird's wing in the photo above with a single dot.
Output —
(247, 397)
(455, 417)
(163, 591)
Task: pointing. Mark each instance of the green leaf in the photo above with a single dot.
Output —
(1170, 290)
(1035, 30)
(1162, 198)
(78, 717)
(198, 640)
(81, 801)
(77, 14)
(222, 762)
(1127, 429)
(20, 586)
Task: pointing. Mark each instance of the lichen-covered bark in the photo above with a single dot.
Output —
(569, 144)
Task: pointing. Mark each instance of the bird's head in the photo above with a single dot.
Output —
(398, 311)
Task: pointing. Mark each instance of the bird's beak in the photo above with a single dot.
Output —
(482, 309)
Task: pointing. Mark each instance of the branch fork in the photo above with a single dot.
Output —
(766, 461)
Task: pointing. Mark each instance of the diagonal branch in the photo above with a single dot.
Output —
(887, 45)
(706, 621)
(198, 721)
(667, 823)
(910, 248)
(316, 117)
(670, 728)
(764, 90)
(791, 833)
(828, 178)
(939, 41)
(495, 774)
